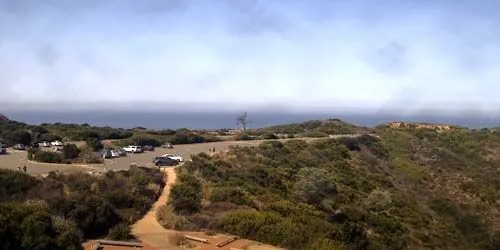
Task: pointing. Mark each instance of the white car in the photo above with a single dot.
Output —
(115, 153)
(56, 143)
(44, 144)
(133, 149)
(174, 157)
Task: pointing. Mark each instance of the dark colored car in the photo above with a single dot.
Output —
(164, 161)
(148, 148)
(106, 154)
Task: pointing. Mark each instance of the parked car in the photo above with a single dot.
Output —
(167, 145)
(175, 157)
(106, 154)
(148, 148)
(122, 152)
(58, 148)
(133, 149)
(56, 143)
(19, 147)
(44, 144)
(165, 161)
(115, 153)
(3, 149)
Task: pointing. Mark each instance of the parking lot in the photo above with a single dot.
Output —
(14, 159)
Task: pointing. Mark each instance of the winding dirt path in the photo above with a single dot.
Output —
(148, 229)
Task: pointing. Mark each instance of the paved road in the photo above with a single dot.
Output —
(15, 159)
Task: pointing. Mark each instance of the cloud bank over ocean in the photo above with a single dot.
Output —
(388, 54)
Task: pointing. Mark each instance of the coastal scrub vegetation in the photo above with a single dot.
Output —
(403, 188)
(13, 132)
(69, 153)
(313, 129)
(60, 211)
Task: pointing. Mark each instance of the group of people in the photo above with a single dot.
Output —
(211, 150)
(25, 169)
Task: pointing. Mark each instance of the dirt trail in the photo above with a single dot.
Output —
(148, 229)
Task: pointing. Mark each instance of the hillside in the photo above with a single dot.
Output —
(414, 188)
(313, 128)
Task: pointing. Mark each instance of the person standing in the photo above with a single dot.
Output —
(25, 168)
(18, 168)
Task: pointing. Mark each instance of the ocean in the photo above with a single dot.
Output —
(214, 120)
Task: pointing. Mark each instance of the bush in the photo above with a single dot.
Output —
(94, 144)
(58, 211)
(121, 231)
(31, 153)
(229, 194)
(86, 156)
(186, 196)
(269, 136)
(14, 185)
(70, 151)
(142, 141)
(48, 157)
(17, 136)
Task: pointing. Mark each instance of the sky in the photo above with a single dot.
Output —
(297, 54)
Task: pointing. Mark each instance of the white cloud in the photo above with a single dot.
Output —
(312, 53)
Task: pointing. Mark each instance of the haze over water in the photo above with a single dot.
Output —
(215, 120)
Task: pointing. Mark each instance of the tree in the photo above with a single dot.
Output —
(70, 151)
(243, 120)
(18, 136)
(94, 143)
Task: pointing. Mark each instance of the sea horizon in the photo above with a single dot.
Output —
(219, 120)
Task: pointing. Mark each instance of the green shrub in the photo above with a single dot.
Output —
(269, 136)
(186, 196)
(120, 231)
(94, 144)
(229, 194)
(70, 151)
(48, 157)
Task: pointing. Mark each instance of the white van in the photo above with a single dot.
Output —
(133, 149)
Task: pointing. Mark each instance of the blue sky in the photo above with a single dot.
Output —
(306, 54)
